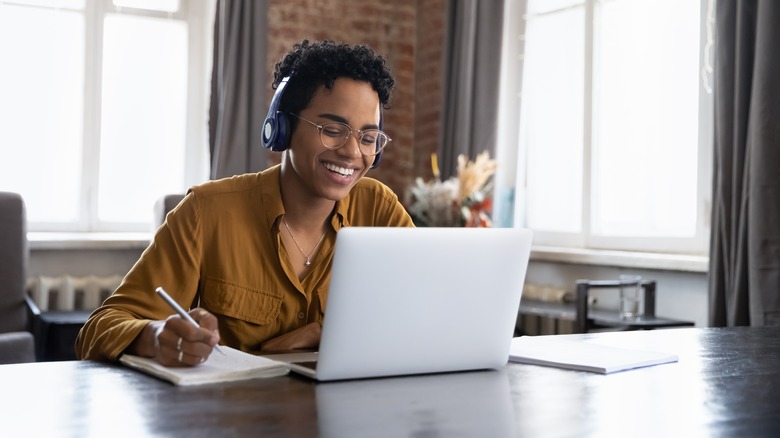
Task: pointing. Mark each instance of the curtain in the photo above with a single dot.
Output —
(744, 282)
(471, 75)
(238, 83)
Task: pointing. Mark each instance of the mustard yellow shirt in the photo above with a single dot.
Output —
(220, 249)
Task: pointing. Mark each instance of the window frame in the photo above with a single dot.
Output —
(514, 39)
(198, 16)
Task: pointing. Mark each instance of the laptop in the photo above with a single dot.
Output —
(406, 301)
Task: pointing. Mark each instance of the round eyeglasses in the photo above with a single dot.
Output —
(335, 135)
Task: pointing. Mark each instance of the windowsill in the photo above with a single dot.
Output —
(621, 259)
(88, 241)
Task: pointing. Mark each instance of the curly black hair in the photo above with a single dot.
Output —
(312, 64)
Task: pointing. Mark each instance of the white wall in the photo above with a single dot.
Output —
(81, 262)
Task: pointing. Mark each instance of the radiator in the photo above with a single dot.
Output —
(67, 292)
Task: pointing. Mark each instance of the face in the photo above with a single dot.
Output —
(331, 173)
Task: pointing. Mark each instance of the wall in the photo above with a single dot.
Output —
(82, 262)
(409, 34)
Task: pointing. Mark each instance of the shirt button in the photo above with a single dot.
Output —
(301, 315)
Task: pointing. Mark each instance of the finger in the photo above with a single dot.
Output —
(177, 336)
(208, 322)
(186, 330)
(180, 359)
(205, 319)
(167, 337)
(171, 338)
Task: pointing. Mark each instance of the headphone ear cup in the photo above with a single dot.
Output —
(268, 135)
(276, 132)
(276, 128)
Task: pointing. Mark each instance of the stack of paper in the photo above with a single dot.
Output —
(579, 355)
(231, 366)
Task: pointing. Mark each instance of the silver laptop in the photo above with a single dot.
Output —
(419, 300)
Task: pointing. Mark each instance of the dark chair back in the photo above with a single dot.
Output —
(16, 343)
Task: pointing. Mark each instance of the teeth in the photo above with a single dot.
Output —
(343, 171)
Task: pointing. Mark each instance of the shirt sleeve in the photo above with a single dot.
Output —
(172, 261)
(375, 204)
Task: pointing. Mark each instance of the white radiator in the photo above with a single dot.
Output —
(67, 292)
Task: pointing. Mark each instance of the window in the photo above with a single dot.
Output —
(615, 125)
(103, 108)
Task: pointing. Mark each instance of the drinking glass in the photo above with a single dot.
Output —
(630, 290)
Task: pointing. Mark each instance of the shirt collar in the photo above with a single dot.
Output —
(270, 180)
(270, 187)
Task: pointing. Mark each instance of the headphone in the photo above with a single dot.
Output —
(276, 128)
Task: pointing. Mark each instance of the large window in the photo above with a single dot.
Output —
(103, 108)
(616, 125)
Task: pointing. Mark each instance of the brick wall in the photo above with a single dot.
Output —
(409, 34)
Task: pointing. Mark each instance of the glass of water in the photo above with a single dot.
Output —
(630, 294)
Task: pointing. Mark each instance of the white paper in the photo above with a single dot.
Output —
(578, 355)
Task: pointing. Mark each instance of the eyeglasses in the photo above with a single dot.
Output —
(335, 135)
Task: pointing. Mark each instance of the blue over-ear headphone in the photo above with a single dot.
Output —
(276, 128)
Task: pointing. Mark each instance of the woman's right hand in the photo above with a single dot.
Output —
(175, 342)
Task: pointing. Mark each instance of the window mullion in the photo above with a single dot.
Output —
(587, 123)
(706, 121)
(92, 104)
(199, 87)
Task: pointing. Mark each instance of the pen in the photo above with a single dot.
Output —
(161, 292)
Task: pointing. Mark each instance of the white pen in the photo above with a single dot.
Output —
(161, 292)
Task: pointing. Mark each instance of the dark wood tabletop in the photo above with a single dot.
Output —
(726, 384)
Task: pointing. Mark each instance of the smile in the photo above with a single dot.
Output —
(343, 171)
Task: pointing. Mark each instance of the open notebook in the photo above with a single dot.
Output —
(420, 300)
(231, 366)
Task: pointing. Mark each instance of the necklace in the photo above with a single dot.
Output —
(307, 263)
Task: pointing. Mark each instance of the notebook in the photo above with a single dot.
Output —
(559, 352)
(231, 366)
(408, 301)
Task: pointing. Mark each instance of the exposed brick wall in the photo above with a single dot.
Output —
(409, 34)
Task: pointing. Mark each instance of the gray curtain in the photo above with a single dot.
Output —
(744, 272)
(471, 73)
(238, 84)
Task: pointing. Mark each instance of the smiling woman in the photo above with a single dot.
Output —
(254, 251)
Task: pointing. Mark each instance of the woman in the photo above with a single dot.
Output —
(251, 254)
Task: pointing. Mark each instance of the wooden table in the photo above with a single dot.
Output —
(726, 383)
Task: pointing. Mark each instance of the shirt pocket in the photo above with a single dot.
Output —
(240, 302)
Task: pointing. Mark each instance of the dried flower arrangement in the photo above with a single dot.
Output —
(461, 201)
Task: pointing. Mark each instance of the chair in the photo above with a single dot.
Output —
(589, 319)
(17, 343)
(164, 205)
(55, 331)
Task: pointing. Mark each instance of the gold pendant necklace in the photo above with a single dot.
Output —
(307, 263)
